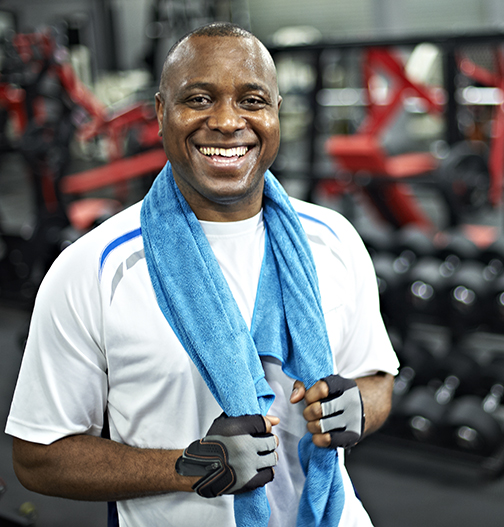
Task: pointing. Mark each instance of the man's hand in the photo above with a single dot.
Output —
(334, 411)
(236, 455)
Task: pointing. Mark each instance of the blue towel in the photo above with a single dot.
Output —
(288, 324)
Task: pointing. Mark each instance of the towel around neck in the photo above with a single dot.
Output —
(288, 324)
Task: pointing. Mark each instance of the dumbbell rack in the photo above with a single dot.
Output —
(442, 327)
(489, 465)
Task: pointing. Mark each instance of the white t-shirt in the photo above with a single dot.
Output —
(98, 341)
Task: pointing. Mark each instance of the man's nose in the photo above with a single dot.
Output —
(226, 118)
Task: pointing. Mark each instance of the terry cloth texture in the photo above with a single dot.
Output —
(288, 324)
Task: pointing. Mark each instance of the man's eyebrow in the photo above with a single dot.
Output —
(197, 86)
(252, 86)
(249, 86)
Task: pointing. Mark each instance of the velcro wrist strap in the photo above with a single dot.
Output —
(219, 480)
(230, 464)
(199, 460)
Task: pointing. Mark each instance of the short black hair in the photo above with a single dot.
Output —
(214, 29)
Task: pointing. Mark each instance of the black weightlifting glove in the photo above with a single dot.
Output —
(236, 455)
(342, 412)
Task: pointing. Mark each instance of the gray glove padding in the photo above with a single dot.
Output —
(342, 412)
(236, 455)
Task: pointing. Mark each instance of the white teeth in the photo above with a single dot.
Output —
(225, 152)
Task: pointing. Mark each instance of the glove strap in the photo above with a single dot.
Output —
(209, 460)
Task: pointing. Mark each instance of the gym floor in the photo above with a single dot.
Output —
(399, 486)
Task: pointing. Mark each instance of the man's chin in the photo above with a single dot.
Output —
(234, 204)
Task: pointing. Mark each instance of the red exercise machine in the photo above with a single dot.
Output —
(362, 154)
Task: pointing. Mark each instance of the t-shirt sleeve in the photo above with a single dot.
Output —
(366, 347)
(62, 384)
(349, 290)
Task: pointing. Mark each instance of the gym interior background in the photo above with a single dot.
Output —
(393, 114)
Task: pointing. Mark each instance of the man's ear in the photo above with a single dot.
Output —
(279, 102)
(160, 112)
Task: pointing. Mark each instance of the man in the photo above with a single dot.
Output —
(131, 322)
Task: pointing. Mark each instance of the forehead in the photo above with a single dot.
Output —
(217, 60)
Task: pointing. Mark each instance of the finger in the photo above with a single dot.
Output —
(321, 440)
(270, 421)
(314, 427)
(298, 392)
(318, 391)
(268, 460)
(313, 412)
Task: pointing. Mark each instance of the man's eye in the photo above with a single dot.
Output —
(253, 102)
(199, 100)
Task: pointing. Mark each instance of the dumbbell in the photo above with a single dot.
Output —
(493, 257)
(418, 366)
(427, 291)
(411, 250)
(454, 247)
(424, 409)
(470, 292)
(415, 241)
(407, 245)
(472, 419)
(496, 304)
(391, 276)
(420, 358)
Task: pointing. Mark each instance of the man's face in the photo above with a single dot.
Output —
(218, 111)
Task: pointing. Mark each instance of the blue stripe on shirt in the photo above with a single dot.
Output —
(138, 232)
(316, 220)
(116, 243)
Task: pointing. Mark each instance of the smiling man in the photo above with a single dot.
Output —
(218, 109)
(220, 344)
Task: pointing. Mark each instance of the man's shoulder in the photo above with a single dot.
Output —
(94, 247)
(322, 221)
(116, 227)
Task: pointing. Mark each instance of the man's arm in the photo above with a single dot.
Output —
(90, 468)
(376, 393)
(84, 467)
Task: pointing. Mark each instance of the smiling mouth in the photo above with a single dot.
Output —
(210, 151)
